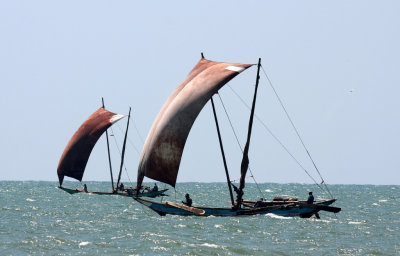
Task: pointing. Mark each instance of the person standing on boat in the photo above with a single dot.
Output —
(188, 201)
(310, 199)
(121, 187)
(155, 188)
(85, 188)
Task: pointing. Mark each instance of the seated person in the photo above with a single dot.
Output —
(259, 203)
(188, 201)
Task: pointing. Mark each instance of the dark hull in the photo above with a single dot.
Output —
(296, 208)
(166, 208)
(151, 194)
(288, 210)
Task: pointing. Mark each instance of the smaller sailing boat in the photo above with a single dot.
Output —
(76, 155)
(162, 152)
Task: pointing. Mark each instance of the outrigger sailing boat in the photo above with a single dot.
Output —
(76, 154)
(162, 151)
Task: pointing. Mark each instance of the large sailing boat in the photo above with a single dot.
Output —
(161, 155)
(76, 155)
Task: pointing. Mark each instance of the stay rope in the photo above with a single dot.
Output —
(277, 139)
(129, 140)
(295, 129)
(131, 143)
(240, 146)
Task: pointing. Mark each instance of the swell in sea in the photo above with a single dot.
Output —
(36, 218)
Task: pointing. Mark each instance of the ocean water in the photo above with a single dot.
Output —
(36, 218)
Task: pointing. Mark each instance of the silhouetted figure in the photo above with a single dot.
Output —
(85, 188)
(259, 203)
(310, 199)
(155, 188)
(188, 201)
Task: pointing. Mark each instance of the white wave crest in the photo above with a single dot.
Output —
(211, 245)
(278, 216)
(83, 243)
(355, 222)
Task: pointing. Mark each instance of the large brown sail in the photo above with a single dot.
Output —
(76, 154)
(162, 151)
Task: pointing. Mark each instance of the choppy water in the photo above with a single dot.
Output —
(36, 218)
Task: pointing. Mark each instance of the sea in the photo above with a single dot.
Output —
(37, 218)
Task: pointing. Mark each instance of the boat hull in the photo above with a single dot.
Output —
(297, 208)
(151, 194)
(289, 210)
(166, 208)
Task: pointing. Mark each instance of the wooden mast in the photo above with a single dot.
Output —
(222, 152)
(123, 148)
(245, 160)
(109, 155)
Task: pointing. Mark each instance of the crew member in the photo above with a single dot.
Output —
(188, 201)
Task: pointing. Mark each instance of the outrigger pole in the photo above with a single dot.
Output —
(222, 152)
(123, 148)
(109, 156)
(245, 161)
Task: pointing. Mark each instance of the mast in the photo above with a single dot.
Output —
(123, 148)
(245, 159)
(222, 152)
(109, 155)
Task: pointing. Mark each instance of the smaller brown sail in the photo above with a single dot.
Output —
(76, 154)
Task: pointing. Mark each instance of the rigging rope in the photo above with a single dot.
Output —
(129, 140)
(277, 140)
(295, 129)
(237, 140)
(137, 131)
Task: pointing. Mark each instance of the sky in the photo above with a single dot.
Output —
(334, 65)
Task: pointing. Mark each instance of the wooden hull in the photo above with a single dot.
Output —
(119, 193)
(297, 208)
(168, 208)
(289, 210)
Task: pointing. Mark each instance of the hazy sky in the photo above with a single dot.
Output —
(335, 64)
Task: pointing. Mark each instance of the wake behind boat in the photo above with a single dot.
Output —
(77, 152)
(162, 152)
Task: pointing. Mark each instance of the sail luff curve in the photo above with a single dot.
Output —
(163, 148)
(76, 154)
